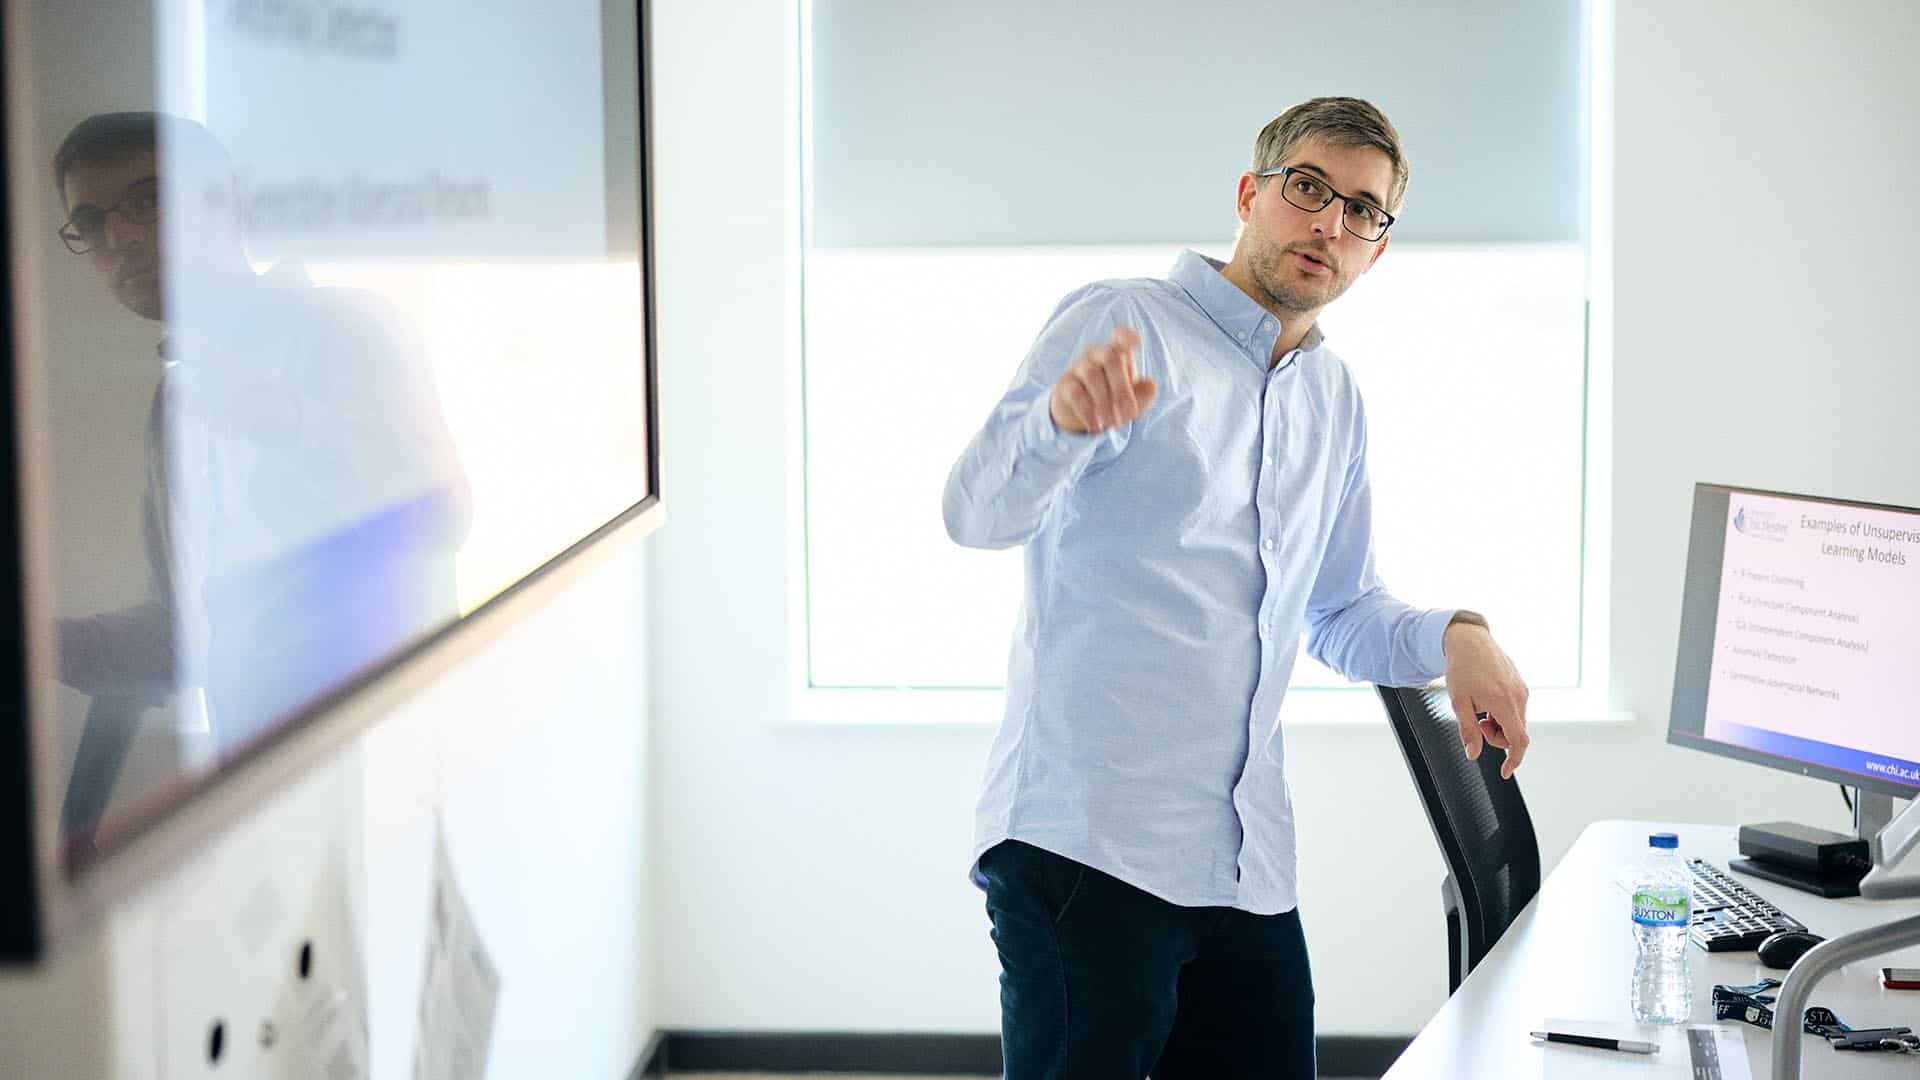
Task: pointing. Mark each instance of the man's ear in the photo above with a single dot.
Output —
(1379, 249)
(1243, 198)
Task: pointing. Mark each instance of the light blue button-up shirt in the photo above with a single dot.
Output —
(1171, 566)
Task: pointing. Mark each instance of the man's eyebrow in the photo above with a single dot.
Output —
(150, 180)
(1322, 174)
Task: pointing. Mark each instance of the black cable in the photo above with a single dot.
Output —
(1846, 798)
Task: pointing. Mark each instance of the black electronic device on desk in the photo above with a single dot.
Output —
(1728, 916)
(1782, 950)
(1811, 860)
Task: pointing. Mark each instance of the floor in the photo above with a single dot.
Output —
(858, 1076)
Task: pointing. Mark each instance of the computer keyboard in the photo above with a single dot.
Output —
(1728, 916)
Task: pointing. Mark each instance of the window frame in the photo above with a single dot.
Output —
(1588, 704)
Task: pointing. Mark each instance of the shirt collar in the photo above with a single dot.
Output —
(1248, 325)
(232, 306)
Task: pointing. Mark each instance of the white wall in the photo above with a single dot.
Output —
(812, 878)
(537, 752)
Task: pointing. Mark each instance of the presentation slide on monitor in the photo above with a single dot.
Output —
(1818, 629)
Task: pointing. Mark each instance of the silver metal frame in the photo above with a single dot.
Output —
(1894, 841)
(1888, 845)
(1872, 811)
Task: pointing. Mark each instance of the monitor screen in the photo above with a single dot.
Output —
(1799, 628)
(330, 326)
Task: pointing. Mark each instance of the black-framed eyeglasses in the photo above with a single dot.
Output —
(1312, 194)
(87, 228)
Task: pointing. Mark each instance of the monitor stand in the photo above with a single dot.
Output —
(1872, 812)
(1804, 858)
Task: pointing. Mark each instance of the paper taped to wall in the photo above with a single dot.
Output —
(460, 987)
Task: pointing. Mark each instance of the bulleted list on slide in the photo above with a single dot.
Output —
(1817, 631)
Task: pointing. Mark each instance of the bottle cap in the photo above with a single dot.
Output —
(1664, 840)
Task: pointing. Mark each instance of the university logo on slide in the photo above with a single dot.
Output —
(1762, 525)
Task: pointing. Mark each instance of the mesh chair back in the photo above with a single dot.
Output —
(1480, 820)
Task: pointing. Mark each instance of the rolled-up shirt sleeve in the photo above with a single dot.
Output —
(124, 653)
(1020, 462)
(1354, 625)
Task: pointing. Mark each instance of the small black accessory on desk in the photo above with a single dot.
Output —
(1898, 1040)
(1809, 859)
(1784, 949)
(1893, 978)
(1753, 1005)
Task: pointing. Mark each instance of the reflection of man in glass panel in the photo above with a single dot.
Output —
(303, 497)
(1185, 462)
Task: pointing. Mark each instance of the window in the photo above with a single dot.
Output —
(950, 213)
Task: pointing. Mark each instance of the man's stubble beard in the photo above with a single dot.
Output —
(150, 306)
(1270, 271)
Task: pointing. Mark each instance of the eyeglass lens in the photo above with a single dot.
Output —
(87, 229)
(1362, 219)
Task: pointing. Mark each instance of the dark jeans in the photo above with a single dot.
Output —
(1101, 981)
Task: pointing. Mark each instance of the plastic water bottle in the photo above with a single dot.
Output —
(1662, 907)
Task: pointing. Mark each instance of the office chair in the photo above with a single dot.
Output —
(111, 723)
(1480, 821)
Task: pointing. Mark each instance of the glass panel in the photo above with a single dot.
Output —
(1471, 359)
(1049, 124)
(377, 353)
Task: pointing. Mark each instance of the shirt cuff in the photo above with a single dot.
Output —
(1039, 435)
(1430, 639)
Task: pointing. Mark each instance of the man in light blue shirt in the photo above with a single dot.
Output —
(1185, 461)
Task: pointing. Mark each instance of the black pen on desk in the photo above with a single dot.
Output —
(1630, 1046)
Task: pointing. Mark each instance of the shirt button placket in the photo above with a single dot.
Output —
(1265, 510)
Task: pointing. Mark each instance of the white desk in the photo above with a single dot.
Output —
(1570, 955)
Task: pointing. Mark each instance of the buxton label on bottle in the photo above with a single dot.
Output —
(1661, 908)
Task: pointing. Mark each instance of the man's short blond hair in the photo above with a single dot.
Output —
(1341, 121)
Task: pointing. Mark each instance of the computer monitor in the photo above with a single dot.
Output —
(1799, 630)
